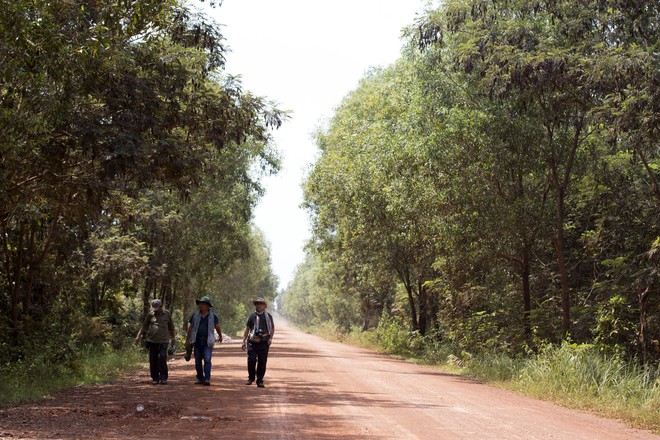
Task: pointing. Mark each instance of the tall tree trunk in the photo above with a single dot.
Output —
(560, 241)
(561, 184)
(171, 297)
(643, 298)
(405, 279)
(27, 294)
(93, 298)
(146, 294)
(423, 307)
(16, 283)
(104, 290)
(164, 292)
(154, 290)
(185, 308)
(35, 260)
(435, 310)
(526, 293)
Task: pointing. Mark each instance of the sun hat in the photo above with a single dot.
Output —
(205, 299)
(259, 300)
(156, 304)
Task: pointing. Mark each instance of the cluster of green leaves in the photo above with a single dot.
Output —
(129, 169)
(498, 185)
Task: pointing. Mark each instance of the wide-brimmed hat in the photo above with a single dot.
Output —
(205, 299)
(259, 300)
(156, 304)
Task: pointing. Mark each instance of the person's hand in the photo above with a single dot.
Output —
(244, 346)
(137, 340)
(270, 341)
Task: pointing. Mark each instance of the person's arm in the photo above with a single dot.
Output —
(245, 336)
(219, 330)
(139, 334)
(190, 327)
(143, 329)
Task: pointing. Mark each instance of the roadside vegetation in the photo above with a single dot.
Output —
(39, 378)
(130, 165)
(491, 201)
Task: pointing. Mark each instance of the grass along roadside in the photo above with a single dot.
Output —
(579, 376)
(38, 379)
(571, 375)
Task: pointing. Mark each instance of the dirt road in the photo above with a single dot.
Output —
(314, 390)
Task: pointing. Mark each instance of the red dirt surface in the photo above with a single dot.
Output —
(315, 389)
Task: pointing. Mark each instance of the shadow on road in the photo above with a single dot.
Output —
(179, 410)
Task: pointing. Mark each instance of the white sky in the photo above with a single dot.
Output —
(306, 55)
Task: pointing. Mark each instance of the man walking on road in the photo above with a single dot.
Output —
(257, 337)
(201, 333)
(157, 326)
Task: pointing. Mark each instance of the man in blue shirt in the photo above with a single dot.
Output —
(201, 334)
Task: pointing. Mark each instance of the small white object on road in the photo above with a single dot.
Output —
(140, 407)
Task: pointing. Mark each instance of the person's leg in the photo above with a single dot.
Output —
(199, 355)
(261, 363)
(251, 362)
(208, 353)
(153, 362)
(162, 362)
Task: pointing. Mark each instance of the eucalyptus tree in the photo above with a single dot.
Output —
(521, 55)
(495, 195)
(587, 73)
(371, 191)
(102, 100)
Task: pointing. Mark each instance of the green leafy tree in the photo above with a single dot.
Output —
(583, 70)
(115, 118)
(372, 193)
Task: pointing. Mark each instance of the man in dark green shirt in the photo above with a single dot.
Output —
(158, 328)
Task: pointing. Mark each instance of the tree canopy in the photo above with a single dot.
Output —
(129, 167)
(497, 186)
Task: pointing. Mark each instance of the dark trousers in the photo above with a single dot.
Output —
(158, 361)
(257, 358)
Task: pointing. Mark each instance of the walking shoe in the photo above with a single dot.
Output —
(163, 382)
(261, 385)
(249, 382)
(199, 382)
(207, 383)
(155, 382)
